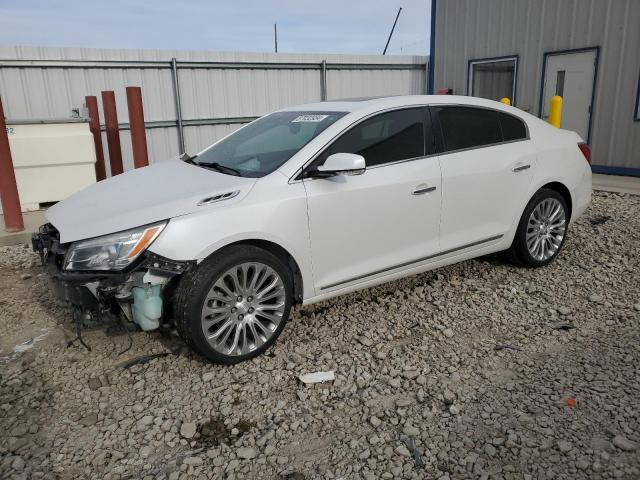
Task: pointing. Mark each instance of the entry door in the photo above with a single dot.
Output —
(364, 226)
(571, 75)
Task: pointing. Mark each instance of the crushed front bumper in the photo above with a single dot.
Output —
(97, 292)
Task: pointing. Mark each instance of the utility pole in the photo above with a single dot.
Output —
(275, 35)
(391, 33)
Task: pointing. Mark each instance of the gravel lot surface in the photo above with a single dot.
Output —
(420, 391)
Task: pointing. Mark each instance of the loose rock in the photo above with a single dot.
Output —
(564, 446)
(188, 429)
(246, 453)
(625, 444)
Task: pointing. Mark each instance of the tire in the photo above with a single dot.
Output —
(253, 323)
(544, 222)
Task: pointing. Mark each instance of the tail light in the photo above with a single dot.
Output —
(586, 151)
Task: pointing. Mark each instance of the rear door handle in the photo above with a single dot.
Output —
(521, 168)
(420, 190)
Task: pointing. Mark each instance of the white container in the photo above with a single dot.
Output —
(52, 159)
(147, 306)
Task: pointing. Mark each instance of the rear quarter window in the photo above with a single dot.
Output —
(512, 127)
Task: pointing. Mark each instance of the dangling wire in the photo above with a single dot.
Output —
(76, 316)
(123, 322)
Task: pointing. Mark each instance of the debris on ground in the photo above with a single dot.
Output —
(410, 442)
(28, 345)
(508, 346)
(564, 326)
(570, 401)
(142, 359)
(317, 377)
(599, 220)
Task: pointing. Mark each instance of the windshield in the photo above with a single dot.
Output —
(264, 145)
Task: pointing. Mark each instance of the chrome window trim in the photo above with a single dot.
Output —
(496, 144)
(294, 179)
(412, 159)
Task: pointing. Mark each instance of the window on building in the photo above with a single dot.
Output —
(493, 78)
(467, 127)
(388, 137)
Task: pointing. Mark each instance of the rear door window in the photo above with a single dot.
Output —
(468, 127)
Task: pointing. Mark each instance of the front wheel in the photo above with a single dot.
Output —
(235, 304)
(542, 230)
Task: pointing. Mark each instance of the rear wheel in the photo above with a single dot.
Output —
(235, 304)
(542, 230)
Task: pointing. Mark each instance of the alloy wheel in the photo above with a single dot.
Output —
(546, 229)
(243, 308)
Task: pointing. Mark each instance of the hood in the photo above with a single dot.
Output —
(138, 197)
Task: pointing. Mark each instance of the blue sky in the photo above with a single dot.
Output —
(321, 26)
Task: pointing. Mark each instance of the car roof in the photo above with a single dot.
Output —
(368, 105)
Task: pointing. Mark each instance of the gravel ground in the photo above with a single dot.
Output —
(420, 391)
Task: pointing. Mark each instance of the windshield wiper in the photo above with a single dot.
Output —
(221, 168)
(185, 157)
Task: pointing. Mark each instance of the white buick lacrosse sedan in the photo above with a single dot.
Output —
(308, 203)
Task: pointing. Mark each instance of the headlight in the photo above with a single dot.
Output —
(111, 252)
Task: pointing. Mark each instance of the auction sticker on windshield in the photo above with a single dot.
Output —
(309, 118)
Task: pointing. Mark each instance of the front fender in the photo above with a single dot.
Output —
(281, 221)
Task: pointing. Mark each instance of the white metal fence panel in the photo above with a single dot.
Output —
(200, 137)
(218, 91)
(244, 93)
(362, 83)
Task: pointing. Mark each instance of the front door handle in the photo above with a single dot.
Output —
(422, 190)
(521, 168)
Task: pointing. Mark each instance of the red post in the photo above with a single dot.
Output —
(113, 134)
(94, 126)
(8, 188)
(136, 122)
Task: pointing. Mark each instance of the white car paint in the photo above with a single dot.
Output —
(139, 197)
(347, 232)
(362, 224)
(481, 194)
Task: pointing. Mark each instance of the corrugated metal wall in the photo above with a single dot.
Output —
(474, 29)
(218, 95)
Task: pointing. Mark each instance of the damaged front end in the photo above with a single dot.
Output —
(113, 274)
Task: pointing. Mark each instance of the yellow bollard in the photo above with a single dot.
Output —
(555, 111)
(505, 100)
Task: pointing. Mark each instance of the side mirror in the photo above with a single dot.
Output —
(341, 164)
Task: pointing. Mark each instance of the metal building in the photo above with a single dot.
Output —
(587, 51)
